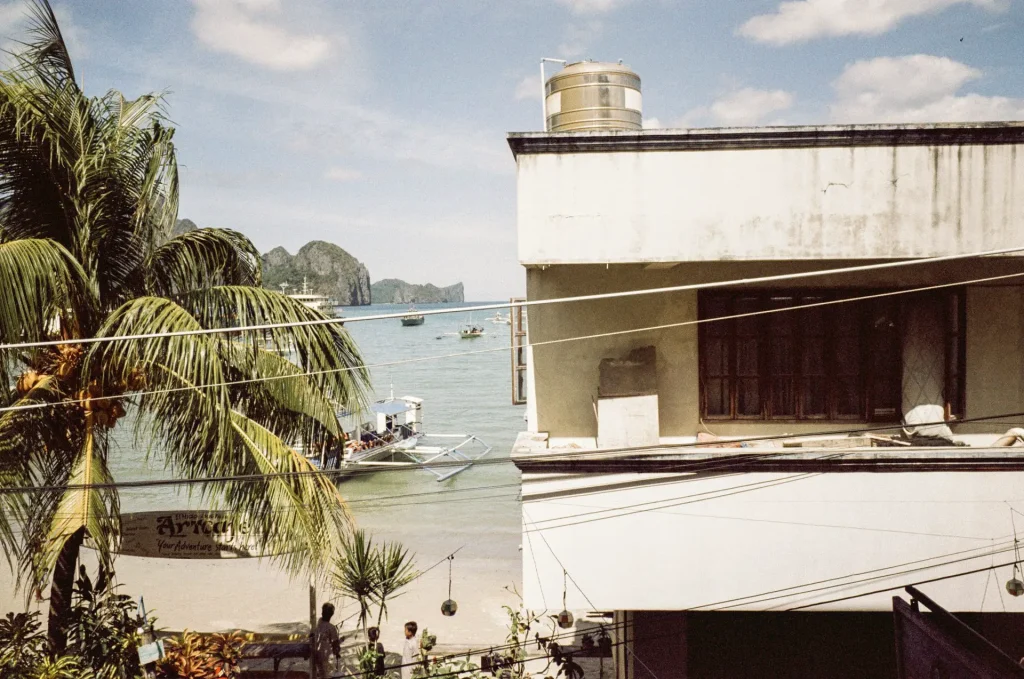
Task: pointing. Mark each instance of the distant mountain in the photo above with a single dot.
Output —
(183, 226)
(394, 291)
(327, 269)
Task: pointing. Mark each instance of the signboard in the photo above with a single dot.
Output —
(187, 534)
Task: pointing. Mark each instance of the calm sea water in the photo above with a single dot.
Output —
(468, 394)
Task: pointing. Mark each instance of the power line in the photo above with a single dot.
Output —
(889, 589)
(421, 359)
(699, 464)
(530, 303)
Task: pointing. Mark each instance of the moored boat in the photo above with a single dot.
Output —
(389, 434)
(313, 301)
(413, 318)
(470, 331)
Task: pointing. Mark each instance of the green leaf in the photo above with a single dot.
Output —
(202, 259)
(40, 281)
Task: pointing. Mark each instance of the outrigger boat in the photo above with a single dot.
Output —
(389, 434)
(413, 318)
(499, 319)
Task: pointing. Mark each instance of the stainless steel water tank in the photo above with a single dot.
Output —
(591, 95)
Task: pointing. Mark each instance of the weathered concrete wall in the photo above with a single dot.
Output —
(769, 203)
(995, 351)
(565, 375)
(696, 543)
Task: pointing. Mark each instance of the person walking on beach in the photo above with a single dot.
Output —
(327, 641)
(373, 634)
(410, 650)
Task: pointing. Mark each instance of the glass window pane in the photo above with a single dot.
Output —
(781, 356)
(750, 325)
(716, 394)
(746, 357)
(716, 307)
(813, 363)
(847, 353)
(884, 360)
(716, 357)
(815, 397)
(783, 398)
(748, 396)
(848, 397)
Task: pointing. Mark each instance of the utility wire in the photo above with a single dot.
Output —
(738, 459)
(421, 359)
(532, 303)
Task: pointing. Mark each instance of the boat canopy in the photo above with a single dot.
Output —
(392, 407)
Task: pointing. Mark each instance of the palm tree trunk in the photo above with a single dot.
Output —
(60, 591)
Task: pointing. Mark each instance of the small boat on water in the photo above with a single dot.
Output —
(471, 330)
(313, 301)
(389, 434)
(413, 318)
(499, 319)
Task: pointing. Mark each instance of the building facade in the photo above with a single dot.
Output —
(824, 296)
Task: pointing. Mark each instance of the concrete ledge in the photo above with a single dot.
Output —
(809, 136)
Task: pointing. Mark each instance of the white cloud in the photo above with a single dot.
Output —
(801, 20)
(342, 174)
(749, 106)
(528, 88)
(591, 6)
(252, 30)
(579, 36)
(917, 88)
(373, 132)
(652, 124)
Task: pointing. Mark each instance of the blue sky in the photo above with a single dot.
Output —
(380, 125)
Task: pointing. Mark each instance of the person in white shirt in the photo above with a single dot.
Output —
(327, 641)
(410, 650)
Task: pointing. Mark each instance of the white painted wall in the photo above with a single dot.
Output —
(769, 203)
(825, 527)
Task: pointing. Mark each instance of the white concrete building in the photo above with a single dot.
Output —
(696, 549)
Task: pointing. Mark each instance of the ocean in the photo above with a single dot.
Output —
(480, 522)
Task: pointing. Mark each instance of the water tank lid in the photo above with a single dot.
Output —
(591, 67)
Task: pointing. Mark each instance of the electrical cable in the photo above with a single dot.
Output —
(420, 359)
(738, 459)
(532, 303)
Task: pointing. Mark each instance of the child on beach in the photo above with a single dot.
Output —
(410, 650)
(373, 634)
(327, 640)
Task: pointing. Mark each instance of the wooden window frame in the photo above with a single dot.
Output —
(955, 402)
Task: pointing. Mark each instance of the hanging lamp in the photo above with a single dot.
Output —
(449, 607)
(1014, 585)
(565, 618)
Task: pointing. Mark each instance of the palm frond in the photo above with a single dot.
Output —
(302, 517)
(284, 390)
(326, 350)
(202, 259)
(193, 424)
(42, 284)
(82, 507)
(355, 571)
(38, 448)
(47, 53)
(395, 570)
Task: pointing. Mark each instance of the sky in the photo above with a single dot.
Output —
(380, 125)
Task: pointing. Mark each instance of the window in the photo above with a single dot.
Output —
(832, 362)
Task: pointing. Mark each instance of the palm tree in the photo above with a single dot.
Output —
(371, 574)
(88, 200)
